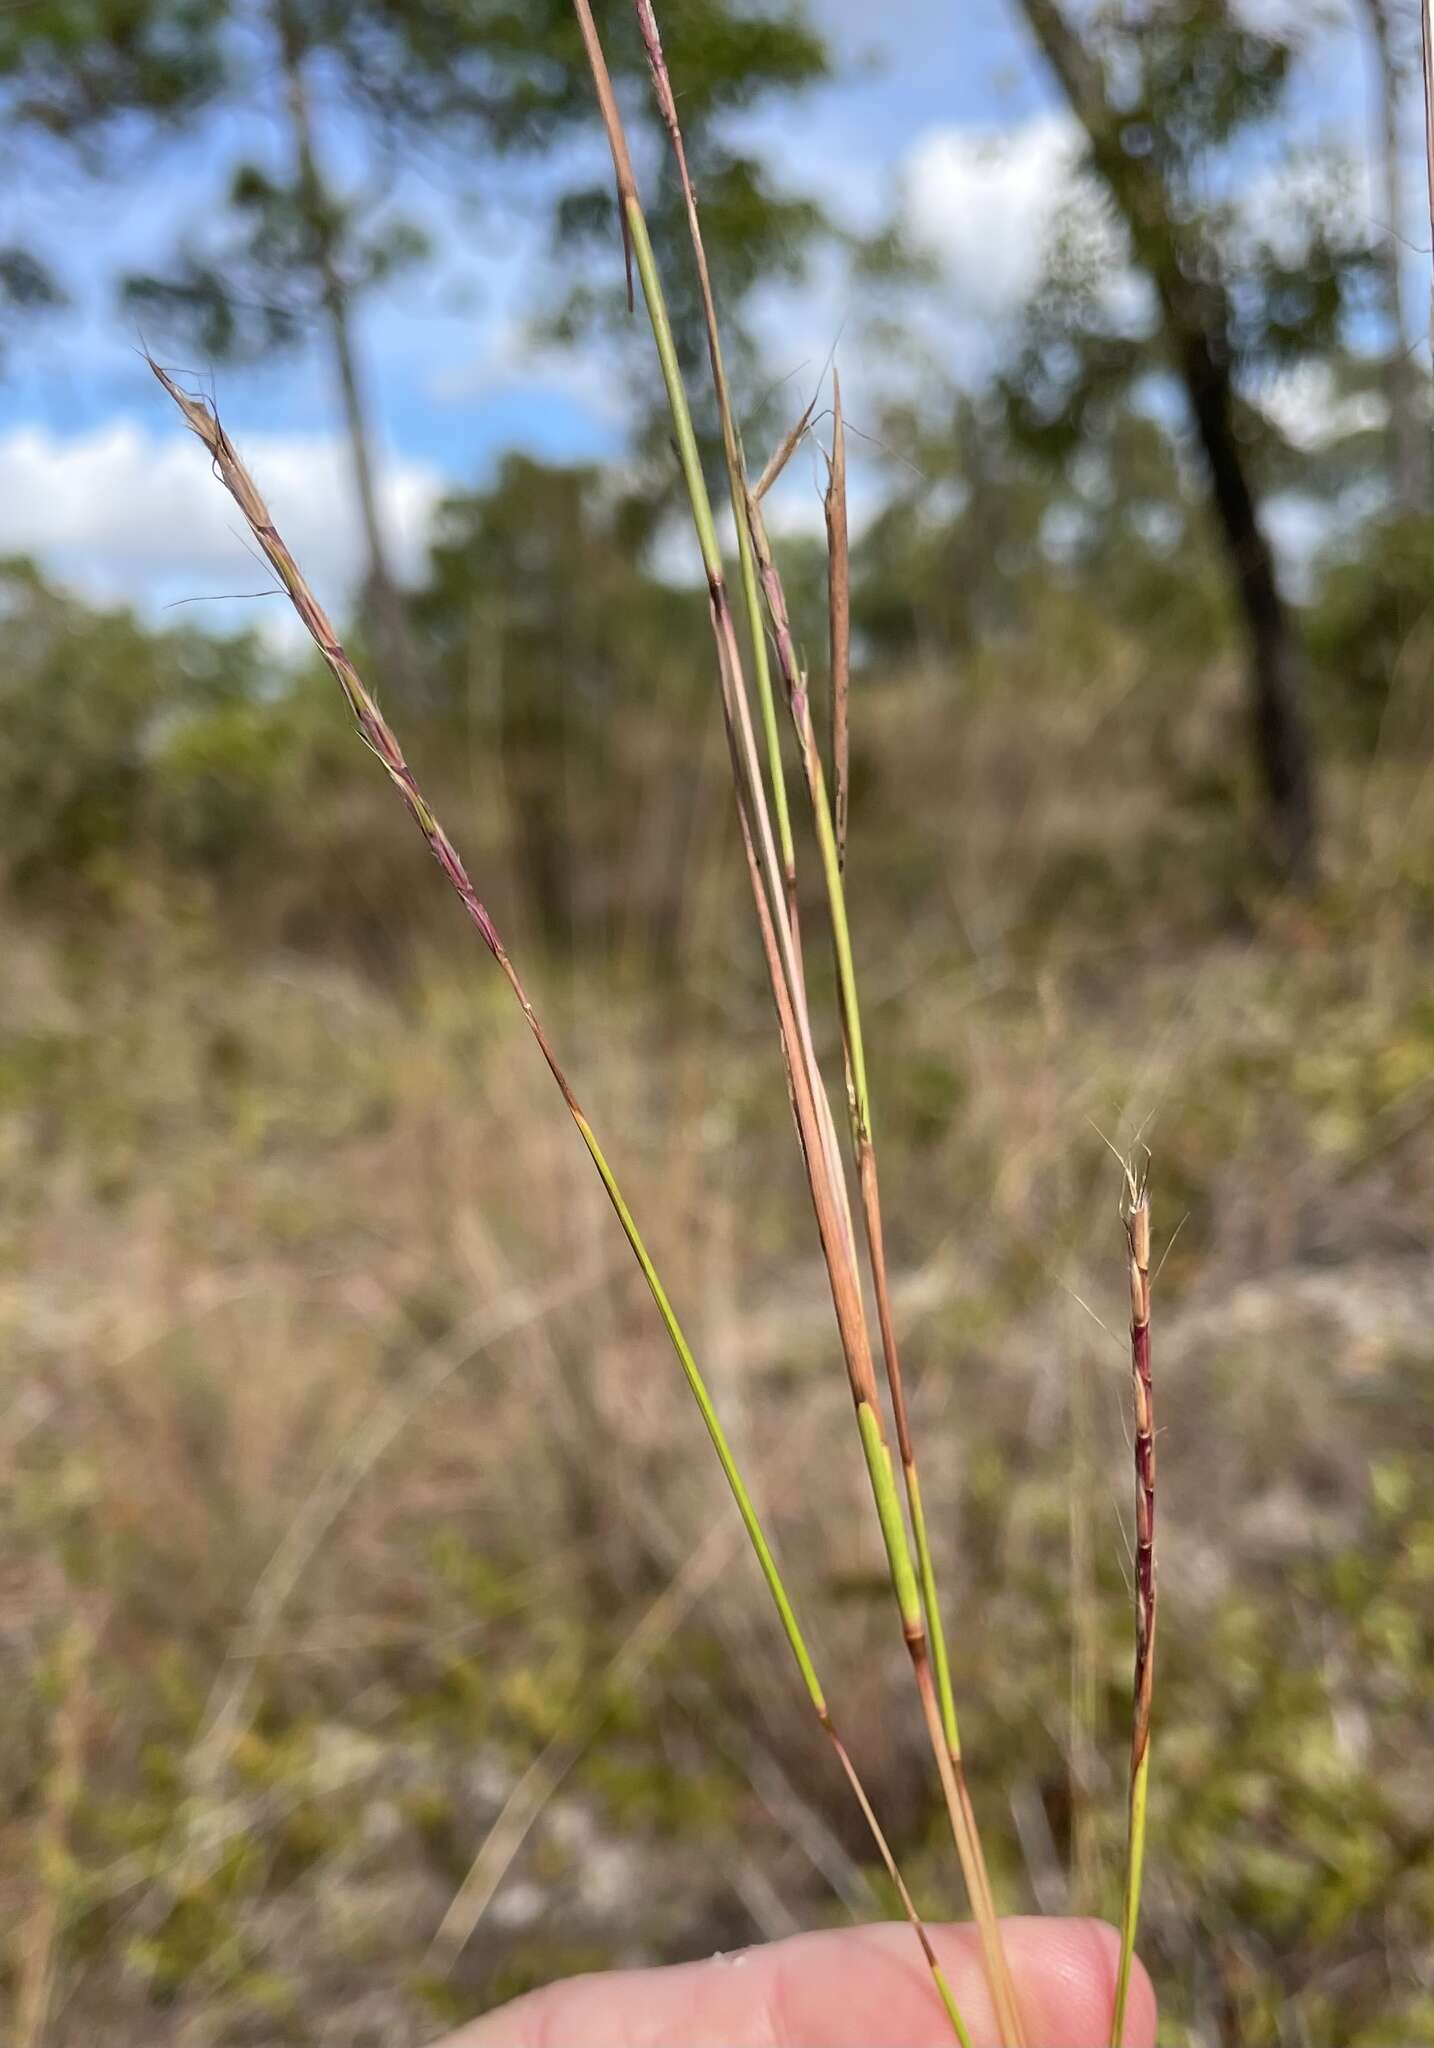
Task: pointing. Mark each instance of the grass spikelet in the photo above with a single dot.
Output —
(1136, 1211)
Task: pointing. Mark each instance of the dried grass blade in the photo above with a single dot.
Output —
(785, 449)
(839, 619)
(828, 1185)
(935, 1682)
(766, 700)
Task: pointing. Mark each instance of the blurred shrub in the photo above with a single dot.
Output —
(573, 668)
(1371, 629)
(567, 684)
(117, 738)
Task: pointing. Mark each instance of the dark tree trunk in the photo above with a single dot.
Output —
(1195, 320)
(1277, 673)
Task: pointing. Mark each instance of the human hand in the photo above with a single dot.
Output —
(860, 1987)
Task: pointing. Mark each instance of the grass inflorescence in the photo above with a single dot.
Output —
(769, 841)
(379, 738)
(1136, 1209)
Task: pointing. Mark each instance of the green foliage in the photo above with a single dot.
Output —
(1278, 281)
(25, 282)
(292, 247)
(1190, 76)
(76, 72)
(446, 1626)
(1371, 634)
(983, 542)
(266, 287)
(464, 83)
(115, 740)
(74, 68)
(552, 650)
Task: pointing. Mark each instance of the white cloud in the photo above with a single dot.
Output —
(992, 206)
(1312, 413)
(517, 357)
(984, 202)
(1325, 186)
(123, 513)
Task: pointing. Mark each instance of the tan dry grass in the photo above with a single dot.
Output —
(246, 1200)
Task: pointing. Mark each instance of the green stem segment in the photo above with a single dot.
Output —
(888, 1511)
(833, 865)
(1130, 1910)
(381, 741)
(937, 1633)
(827, 1177)
(703, 1398)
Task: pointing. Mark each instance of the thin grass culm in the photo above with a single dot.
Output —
(1136, 1212)
(913, 1579)
(378, 737)
(830, 826)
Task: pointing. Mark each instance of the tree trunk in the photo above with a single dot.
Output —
(1408, 441)
(382, 599)
(1277, 680)
(382, 593)
(1197, 334)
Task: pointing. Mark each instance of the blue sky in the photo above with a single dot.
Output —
(96, 480)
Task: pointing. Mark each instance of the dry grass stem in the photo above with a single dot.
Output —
(932, 1641)
(782, 454)
(825, 1173)
(382, 743)
(839, 619)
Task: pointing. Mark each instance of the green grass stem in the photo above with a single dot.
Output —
(382, 742)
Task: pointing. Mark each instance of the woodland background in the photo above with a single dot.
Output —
(354, 1524)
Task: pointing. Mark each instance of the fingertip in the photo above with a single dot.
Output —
(861, 1987)
(868, 1986)
(1066, 1973)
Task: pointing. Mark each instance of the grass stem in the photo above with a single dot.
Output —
(839, 619)
(828, 1185)
(948, 1749)
(378, 736)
